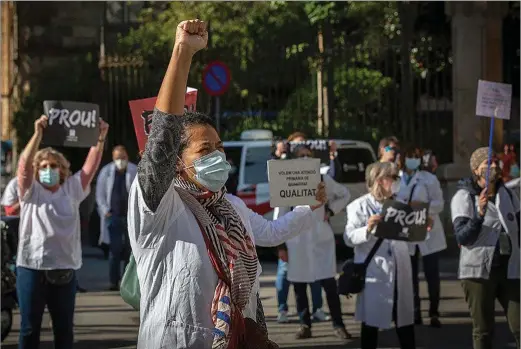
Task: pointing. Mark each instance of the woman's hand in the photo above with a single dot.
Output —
(192, 34)
(482, 203)
(103, 129)
(321, 195)
(430, 223)
(40, 125)
(373, 221)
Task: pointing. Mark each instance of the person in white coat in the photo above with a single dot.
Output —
(421, 186)
(193, 243)
(388, 292)
(112, 188)
(10, 201)
(312, 255)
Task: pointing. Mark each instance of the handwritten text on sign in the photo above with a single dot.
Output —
(402, 222)
(492, 96)
(293, 182)
(71, 124)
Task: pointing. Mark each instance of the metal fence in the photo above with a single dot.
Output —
(372, 96)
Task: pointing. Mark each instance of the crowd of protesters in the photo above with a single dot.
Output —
(194, 243)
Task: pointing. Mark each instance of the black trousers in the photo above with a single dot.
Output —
(369, 334)
(333, 302)
(431, 269)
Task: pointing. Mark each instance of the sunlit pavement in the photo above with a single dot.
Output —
(104, 321)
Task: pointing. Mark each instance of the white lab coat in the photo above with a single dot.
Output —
(311, 255)
(427, 189)
(104, 185)
(390, 264)
(176, 278)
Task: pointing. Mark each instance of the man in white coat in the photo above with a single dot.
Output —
(312, 257)
(423, 187)
(112, 189)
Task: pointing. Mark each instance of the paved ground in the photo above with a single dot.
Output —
(104, 321)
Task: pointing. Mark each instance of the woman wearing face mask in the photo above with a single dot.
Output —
(49, 249)
(312, 256)
(485, 217)
(388, 292)
(194, 245)
(423, 187)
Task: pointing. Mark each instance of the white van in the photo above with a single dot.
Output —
(249, 159)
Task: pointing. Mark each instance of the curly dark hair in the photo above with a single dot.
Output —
(191, 119)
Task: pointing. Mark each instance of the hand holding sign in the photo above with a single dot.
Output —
(103, 129)
(373, 222)
(40, 124)
(482, 203)
(321, 196)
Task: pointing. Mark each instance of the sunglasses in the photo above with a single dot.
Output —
(389, 148)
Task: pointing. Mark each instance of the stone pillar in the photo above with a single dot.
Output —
(477, 54)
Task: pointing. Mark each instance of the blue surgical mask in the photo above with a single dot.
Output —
(514, 171)
(211, 171)
(49, 177)
(412, 163)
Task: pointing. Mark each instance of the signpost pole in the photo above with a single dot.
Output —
(218, 114)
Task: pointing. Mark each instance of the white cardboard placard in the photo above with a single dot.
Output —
(293, 182)
(492, 95)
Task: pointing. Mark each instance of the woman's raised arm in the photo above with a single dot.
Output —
(157, 168)
(25, 165)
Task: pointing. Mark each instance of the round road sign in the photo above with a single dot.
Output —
(216, 78)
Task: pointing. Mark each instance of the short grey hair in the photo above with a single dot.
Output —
(377, 171)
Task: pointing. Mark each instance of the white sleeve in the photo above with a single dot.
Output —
(435, 195)
(101, 192)
(461, 205)
(10, 196)
(74, 189)
(356, 227)
(341, 195)
(273, 233)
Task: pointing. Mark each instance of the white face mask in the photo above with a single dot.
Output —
(121, 164)
(395, 187)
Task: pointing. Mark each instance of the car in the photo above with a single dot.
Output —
(249, 176)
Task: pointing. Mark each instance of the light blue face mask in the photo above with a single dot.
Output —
(211, 170)
(514, 171)
(49, 177)
(412, 163)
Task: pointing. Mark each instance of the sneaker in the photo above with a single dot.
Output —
(303, 333)
(320, 316)
(342, 333)
(435, 322)
(282, 318)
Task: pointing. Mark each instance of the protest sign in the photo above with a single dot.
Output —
(293, 182)
(142, 109)
(320, 148)
(492, 96)
(402, 222)
(493, 101)
(71, 124)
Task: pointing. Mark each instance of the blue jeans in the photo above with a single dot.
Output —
(282, 286)
(34, 292)
(119, 247)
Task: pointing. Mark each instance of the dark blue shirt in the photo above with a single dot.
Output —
(119, 198)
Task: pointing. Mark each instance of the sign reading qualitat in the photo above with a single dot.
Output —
(71, 124)
(403, 222)
(293, 182)
(142, 109)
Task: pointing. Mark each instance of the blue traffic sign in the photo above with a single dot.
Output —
(216, 78)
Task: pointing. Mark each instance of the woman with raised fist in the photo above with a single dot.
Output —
(194, 245)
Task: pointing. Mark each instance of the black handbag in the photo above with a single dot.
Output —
(351, 279)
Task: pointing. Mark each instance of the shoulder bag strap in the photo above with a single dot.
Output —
(378, 242)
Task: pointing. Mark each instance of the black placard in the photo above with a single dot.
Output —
(402, 222)
(320, 148)
(71, 124)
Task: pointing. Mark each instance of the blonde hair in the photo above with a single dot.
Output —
(374, 173)
(45, 154)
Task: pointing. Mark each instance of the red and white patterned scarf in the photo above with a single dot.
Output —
(233, 257)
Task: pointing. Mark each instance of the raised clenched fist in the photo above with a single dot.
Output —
(192, 34)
